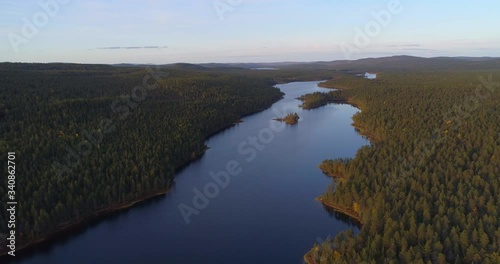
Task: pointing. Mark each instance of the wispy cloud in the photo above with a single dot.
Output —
(420, 49)
(403, 45)
(132, 47)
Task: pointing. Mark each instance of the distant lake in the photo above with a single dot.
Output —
(370, 75)
(267, 213)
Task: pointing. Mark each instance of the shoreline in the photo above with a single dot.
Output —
(370, 136)
(103, 212)
(308, 258)
(85, 219)
(341, 210)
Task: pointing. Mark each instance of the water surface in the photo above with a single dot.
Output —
(266, 214)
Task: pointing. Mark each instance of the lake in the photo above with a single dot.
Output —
(259, 207)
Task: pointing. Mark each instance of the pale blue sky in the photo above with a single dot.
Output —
(167, 31)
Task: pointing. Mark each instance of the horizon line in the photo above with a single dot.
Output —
(275, 62)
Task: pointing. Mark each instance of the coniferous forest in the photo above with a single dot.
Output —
(250, 132)
(427, 189)
(94, 138)
(89, 138)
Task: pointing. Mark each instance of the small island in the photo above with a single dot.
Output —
(290, 119)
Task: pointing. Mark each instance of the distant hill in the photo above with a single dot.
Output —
(56, 66)
(393, 63)
(475, 58)
(185, 66)
(407, 63)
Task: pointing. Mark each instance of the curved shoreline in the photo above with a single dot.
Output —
(341, 210)
(85, 219)
(308, 258)
(370, 136)
(103, 212)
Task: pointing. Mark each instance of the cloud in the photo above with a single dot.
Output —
(404, 45)
(132, 47)
(417, 49)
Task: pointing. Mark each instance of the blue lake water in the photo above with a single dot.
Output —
(266, 213)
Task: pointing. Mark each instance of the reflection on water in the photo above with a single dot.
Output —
(266, 214)
(340, 217)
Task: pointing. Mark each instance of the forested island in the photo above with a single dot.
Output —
(427, 189)
(290, 119)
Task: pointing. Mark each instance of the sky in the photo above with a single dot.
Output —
(200, 31)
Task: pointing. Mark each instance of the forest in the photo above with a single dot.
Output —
(427, 190)
(318, 99)
(91, 138)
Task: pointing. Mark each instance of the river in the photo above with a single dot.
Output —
(261, 208)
